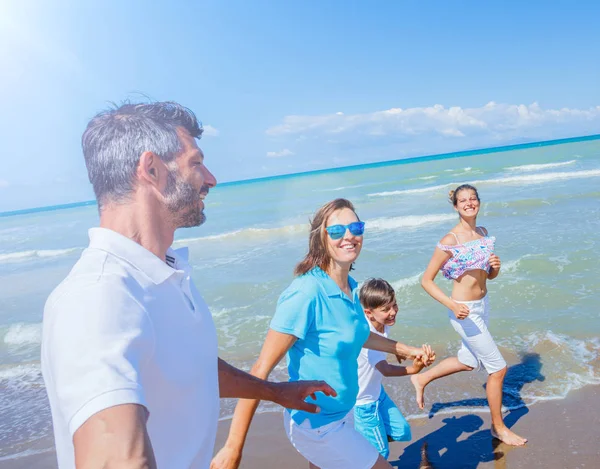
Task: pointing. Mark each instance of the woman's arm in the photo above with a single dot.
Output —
(438, 259)
(383, 344)
(494, 267)
(275, 347)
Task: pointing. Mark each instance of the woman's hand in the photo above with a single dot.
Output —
(460, 310)
(495, 262)
(226, 458)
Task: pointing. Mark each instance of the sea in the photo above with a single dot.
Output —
(541, 201)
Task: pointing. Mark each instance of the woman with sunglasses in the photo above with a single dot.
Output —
(320, 324)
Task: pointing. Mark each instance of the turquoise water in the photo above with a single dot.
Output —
(540, 201)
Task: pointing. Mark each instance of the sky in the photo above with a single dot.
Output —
(285, 87)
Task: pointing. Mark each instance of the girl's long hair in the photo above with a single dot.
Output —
(318, 255)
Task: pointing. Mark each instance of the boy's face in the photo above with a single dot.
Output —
(384, 315)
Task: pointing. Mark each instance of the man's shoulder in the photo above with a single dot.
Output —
(95, 277)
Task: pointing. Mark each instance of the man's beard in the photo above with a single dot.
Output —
(183, 201)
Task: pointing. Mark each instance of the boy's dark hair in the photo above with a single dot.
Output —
(376, 293)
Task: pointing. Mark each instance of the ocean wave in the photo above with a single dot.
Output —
(570, 362)
(524, 179)
(410, 221)
(22, 375)
(217, 313)
(411, 191)
(341, 188)
(538, 167)
(254, 233)
(36, 253)
(406, 282)
(541, 178)
(23, 334)
(513, 265)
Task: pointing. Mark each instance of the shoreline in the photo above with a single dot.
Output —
(562, 433)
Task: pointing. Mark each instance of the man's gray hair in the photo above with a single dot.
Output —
(115, 139)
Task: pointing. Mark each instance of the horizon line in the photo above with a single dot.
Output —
(407, 160)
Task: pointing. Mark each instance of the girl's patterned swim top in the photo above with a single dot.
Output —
(472, 255)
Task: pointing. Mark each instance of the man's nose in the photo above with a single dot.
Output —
(209, 178)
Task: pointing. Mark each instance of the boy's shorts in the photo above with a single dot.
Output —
(380, 419)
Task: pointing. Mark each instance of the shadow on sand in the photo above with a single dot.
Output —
(442, 448)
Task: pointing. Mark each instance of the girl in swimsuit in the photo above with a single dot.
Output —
(466, 256)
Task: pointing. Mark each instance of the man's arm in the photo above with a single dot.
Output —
(115, 437)
(237, 383)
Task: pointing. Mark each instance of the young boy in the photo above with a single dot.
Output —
(376, 416)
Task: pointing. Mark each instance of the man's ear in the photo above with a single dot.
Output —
(150, 168)
(368, 313)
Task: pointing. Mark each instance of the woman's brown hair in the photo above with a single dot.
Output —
(317, 255)
(453, 194)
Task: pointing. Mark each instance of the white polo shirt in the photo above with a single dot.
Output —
(369, 377)
(126, 328)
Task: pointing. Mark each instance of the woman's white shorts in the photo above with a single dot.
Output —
(478, 346)
(336, 445)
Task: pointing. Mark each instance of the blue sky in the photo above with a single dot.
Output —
(292, 86)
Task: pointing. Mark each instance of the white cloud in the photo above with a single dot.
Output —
(279, 154)
(209, 131)
(495, 122)
(4, 183)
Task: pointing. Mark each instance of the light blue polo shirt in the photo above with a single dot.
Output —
(331, 330)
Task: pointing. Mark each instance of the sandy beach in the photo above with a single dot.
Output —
(562, 433)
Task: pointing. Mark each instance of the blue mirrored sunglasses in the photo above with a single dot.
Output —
(356, 228)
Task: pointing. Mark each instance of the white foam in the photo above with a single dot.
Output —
(538, 167)
(217, 313)
(411, 191)
(541, 178)
(19, 375)
(254, 233)
(336, 189)
(409, 221)
(32, 254)
(407, 282)
(524, 179)
(23, 334)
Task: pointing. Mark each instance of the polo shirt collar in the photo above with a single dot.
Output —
(331, 288)
(138, 256)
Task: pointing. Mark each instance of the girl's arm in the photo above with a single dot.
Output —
(438, 259)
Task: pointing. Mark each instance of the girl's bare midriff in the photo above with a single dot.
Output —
(470, 286)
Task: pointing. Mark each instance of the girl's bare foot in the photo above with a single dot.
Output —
(419, 389)
(508, 437)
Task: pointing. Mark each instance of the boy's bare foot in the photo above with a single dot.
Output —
(419, 389)
(508, 437)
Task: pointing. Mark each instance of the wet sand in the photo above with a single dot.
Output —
(562, 434)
